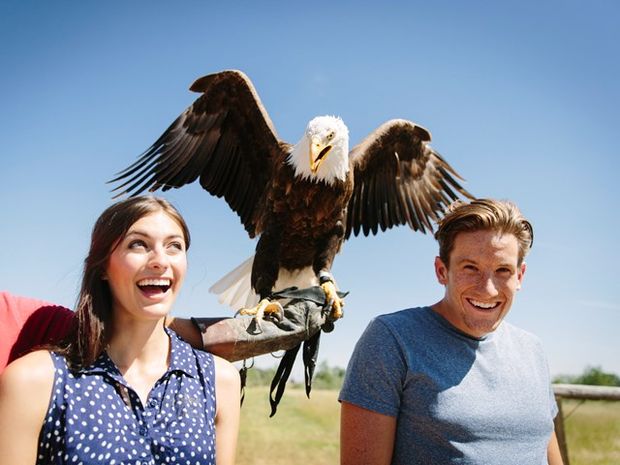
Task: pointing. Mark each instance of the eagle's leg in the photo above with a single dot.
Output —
(331, 295)
(264, 275)
(265, 306)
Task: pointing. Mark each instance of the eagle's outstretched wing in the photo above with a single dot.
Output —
(225, 137)
(399, 179)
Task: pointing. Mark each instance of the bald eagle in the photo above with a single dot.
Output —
(302, 201)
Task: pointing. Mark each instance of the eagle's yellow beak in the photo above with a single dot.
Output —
(318, 153)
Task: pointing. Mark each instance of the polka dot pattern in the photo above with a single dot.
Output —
(95, 417)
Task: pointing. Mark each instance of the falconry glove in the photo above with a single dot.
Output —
(305, 316)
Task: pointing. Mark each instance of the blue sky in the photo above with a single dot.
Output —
(521, 98)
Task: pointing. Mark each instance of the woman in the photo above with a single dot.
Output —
(123, 388)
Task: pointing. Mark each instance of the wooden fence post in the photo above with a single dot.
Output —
(559, 431)
(581, 392)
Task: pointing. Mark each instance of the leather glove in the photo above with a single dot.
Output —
(241, 338)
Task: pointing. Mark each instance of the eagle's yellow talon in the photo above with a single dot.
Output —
(265, 306)
(331, 296)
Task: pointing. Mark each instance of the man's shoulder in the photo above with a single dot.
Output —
(400, 325)
(407, 316)
(518, 331)
(518, 335)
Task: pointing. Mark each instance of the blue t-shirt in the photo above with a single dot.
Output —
(457, 399)
(95, 417)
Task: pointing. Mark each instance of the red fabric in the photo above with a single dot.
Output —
(26, 323)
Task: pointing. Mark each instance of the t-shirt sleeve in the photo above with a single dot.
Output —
(376, 373)
(554, 404)
(552, 401)
(28, 323)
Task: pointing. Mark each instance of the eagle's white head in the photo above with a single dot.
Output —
(322, 154)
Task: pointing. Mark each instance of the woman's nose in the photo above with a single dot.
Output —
(158, 258)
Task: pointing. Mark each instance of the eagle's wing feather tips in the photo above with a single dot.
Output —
(225, 138)
(399, 179)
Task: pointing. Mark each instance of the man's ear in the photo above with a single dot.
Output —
(441, 271)
(520, 274)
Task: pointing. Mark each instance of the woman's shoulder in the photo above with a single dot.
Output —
(26, 385)
(25, 389)
(225, 372)
(32, 371)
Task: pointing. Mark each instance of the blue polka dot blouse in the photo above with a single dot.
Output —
(95, 417)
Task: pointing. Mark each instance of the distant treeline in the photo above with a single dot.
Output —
(593, 376)
(325, 377)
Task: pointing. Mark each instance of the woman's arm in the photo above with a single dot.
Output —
(227, 392)
(25, 389)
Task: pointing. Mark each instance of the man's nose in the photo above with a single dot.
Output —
(489, 286)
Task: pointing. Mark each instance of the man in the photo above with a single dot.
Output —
(453, 382)
(26, 323)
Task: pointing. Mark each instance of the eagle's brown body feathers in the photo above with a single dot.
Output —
(307, 217)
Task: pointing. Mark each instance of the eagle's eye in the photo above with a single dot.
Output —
(330, 136)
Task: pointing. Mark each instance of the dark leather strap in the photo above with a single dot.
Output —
(278, 384)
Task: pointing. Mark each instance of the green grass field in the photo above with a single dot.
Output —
(302, 431)
(593, 432)
(307, 430)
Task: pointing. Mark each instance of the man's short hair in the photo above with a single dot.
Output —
(483, 215)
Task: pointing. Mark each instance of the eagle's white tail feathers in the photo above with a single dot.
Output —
(235, 288)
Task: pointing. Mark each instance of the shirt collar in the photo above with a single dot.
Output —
(182, 359)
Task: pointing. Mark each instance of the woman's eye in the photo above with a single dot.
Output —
(135, 244)
(177, 246)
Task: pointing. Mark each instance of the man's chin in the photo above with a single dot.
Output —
(479, 327)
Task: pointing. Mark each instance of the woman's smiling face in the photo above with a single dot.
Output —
(147, 267)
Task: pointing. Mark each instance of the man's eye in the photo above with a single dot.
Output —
(470, 268)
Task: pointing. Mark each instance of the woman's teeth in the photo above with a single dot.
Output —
(150, 283)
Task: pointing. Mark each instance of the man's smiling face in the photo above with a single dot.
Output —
(481, 280)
